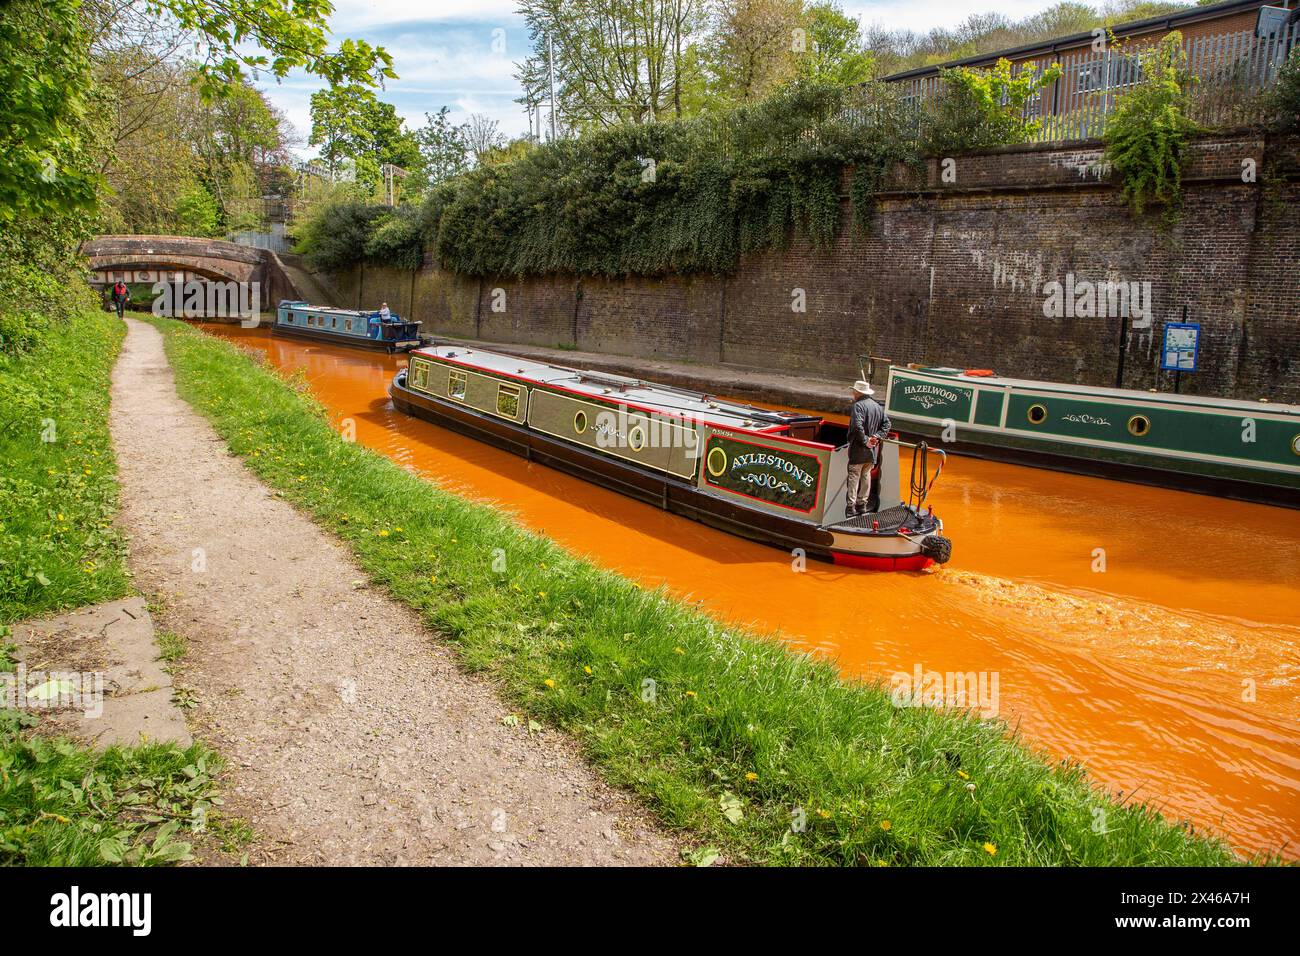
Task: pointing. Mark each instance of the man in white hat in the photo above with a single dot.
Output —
(868, 424)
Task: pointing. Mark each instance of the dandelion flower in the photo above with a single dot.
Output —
(886, 825)
(690, 693)
(963, 774)
(751, 776)
(678, 650)
(991, 849)
(549, 682)
(587, 668)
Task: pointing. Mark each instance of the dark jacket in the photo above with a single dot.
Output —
(867, 417)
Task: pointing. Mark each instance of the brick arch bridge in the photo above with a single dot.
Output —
(150, 259)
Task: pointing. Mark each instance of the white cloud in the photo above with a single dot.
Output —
(349, 15)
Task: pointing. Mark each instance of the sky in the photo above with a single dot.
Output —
(462, 53)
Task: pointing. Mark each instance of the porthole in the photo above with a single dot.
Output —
(580, 422)
(1037, 414)
(636, 438)
(1295, 445)
(1138, 426)
(717, 462)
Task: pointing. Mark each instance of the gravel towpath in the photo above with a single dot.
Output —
(351, 736)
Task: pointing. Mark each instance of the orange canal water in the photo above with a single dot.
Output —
(1173, 674)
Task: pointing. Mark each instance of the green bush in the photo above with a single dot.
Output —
(689, 196)
(197, 212)
(983, 109)
(1146, 135)
(41, 285)
(397, 239)
(682, 197)
(1284, 102)
(334, 234)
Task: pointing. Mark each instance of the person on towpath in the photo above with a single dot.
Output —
(121, 295)
(868, 424)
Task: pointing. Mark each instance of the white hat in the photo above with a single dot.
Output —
(863, 387)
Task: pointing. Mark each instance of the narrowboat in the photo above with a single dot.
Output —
(1225, 447)
(779, 477)
(345, 327)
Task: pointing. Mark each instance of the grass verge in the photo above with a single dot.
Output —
(749, 749)
(58, 489)
(61, 803)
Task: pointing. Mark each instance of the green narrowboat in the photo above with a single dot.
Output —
(1225, 447)
(778, 477)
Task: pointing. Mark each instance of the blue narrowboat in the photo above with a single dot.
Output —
(351, 327)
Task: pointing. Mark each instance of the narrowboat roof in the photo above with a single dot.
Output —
(1093, 391)
(647, 396)
(324, 309)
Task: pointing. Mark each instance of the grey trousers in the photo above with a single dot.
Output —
(859, 484)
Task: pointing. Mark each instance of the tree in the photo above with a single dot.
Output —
(197, 213)
(272, 36)
(482, 134)
(47, 79)
(46, 165)
(349, 123)
(443, 148)
(616, 61)
(835, 53)
(755, 47)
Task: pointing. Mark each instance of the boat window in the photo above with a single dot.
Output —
(580, 423)
(1037, 414)
(456, 383)
(508, 400)
(1139, 425)
(420, 375)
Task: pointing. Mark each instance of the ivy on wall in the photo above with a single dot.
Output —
(1147, 134)
(679, 197)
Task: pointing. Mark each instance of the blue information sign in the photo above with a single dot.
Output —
(1181, 342)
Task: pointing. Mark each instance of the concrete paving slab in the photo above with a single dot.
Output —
(95, 674)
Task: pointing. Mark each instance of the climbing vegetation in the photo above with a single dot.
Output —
(688, 196)
(984, 109)
(1284, 101)
(1147, 133)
